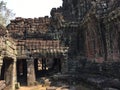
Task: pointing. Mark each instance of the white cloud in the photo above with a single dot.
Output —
(32, 8)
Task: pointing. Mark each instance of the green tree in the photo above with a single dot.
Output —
(5, 14)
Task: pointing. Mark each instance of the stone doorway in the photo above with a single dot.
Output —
(22, 72)
(7, 71)
(47, 66)
(40, 67)
(56, 65)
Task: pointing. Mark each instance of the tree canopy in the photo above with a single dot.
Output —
(5, 13)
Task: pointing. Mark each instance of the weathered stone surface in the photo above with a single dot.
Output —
(31, 80)
(2, 85)
(85, 32)
(7, 55)
(93, 31)
(21, 28)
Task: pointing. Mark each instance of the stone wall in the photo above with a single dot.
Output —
(22, 28)
(92, 24)
(93, 31)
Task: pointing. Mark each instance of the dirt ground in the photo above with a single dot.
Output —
(39, 87)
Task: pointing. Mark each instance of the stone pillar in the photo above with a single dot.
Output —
(31, 79)
(14, 75)
(1, 63)
(64, 66)
(44, 64)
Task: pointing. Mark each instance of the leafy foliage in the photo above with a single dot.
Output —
(5, 13)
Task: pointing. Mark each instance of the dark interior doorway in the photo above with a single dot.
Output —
(7, 70)
(56, 65)
(22, 72)
(40, 67)
(45, 67)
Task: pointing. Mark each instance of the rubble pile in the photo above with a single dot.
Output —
(21, 27)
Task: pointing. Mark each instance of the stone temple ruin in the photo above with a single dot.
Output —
(80, 40)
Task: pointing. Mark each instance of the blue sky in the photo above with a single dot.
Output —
(32, 8)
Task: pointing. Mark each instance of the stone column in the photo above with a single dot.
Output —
(1, 63)
(14, 75)
(64, 66)
(44, 64)
(30, 72)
